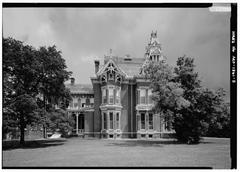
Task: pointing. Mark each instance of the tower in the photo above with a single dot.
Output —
(153, 49)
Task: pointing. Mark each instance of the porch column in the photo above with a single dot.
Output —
(77, 123)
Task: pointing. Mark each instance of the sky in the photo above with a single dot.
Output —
(85, 34)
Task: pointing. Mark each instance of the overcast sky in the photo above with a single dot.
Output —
(85, 34)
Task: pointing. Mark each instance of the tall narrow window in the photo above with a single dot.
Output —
(143, 96)
(71, 104)
(138, 96)
(117, 121)
(117, 96)
(167, 123)
(111, 120)
(111, 96)
(150, 124)
(104, 96)
(142, 120)
(87, 101)
(81, 121)
(150, 101)
(75, 100)
(104, 120)
(79, 102)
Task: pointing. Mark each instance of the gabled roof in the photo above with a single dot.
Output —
(130, 67)
(110, 61)
(80, 88)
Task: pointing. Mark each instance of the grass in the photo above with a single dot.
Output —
(76, 152)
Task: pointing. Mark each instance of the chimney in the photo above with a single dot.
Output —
(96, 65)
(72, 81)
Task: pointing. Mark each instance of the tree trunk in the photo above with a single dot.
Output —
(22, 127)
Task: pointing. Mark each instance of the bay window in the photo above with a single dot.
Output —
(117, 96)
(150, 101)
(104, 95)
(142, 120)
(104, 120)
(150, 122)
(111, 95)
(117, 120)
(111, 120)
(142, 96)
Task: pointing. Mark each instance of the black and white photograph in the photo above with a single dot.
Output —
(119, 85)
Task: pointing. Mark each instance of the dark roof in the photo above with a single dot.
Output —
(80, 88)
(129, 65)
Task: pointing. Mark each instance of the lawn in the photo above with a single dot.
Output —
(77, 152)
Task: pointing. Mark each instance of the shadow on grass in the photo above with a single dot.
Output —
(144, 143)
(153, 143)
(32, 144)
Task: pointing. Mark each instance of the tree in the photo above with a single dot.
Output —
(60, 122)
(30, 75)
(179, 96)
(167, 93)
(193, 122)
(19, 72)
(52, 75)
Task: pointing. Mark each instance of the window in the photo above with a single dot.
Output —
(87, 101)
(167, 123)
(117, 96)
(92, 100)
(104, 121)
(111, 76)
(79, 102)
(142, 120)
(111, 120)
(143, 96)
(104, 95)
(150, 124)
(71, 104)
(111, 96)
(117, 120)
(75, 105)
(81, 121)
(150, 101)
(75, 102)
(83, 101)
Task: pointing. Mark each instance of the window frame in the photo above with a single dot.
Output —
(111, 125)
(142, 121)
(150, 123)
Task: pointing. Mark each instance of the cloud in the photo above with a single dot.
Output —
(83, 34)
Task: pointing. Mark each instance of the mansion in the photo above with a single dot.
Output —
(119, 103)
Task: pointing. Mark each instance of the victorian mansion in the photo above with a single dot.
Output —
(119, 103)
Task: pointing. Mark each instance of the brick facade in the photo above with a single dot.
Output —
(122, 98)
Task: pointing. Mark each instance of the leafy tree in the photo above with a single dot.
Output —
(34, 76)
(179, 96)
(167, 93)
(193, 122)
(60, 122)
